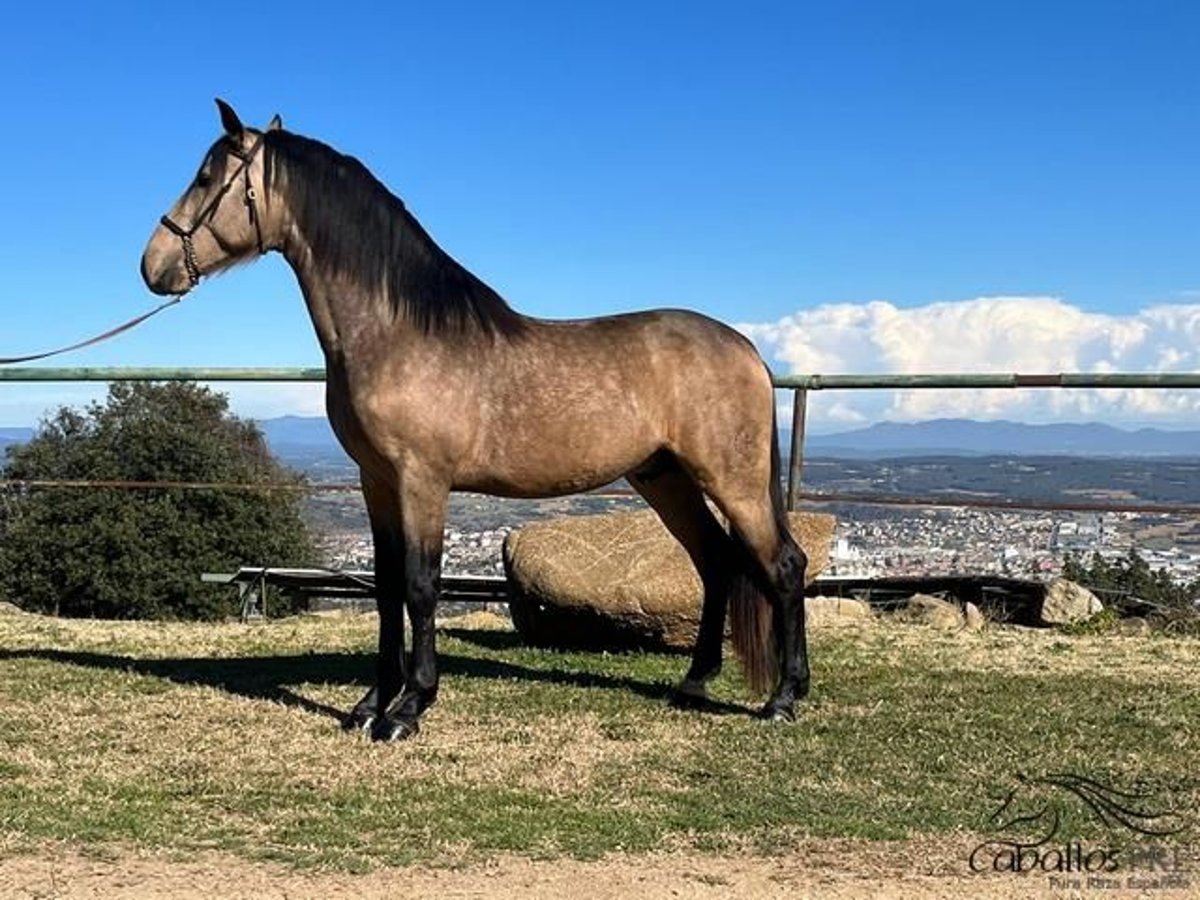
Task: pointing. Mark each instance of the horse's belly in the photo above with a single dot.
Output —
(552, 467)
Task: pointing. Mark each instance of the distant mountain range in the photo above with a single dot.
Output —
(14, 436)
(311, 432)
(1001, 438)
(303, 437)
(296, 438)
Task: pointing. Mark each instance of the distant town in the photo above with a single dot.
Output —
(871, 540)
(1014, 544)
(868, 542)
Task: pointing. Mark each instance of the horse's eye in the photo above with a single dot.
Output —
(203, 180)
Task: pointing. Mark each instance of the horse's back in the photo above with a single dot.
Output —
(572, 404)
(679, 343)
(665, 362)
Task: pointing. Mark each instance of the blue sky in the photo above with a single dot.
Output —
(898, 169)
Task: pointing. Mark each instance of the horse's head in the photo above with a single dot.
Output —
(222, 217)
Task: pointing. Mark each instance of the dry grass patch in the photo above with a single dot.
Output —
(1011, 649)
(200, 738)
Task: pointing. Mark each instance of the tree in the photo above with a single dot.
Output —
(120, 553)
(1131, 576)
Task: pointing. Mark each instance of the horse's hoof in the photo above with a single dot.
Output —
(689, 701)
(387, 729)
(690, 695)
(358, 721)
(777, 713)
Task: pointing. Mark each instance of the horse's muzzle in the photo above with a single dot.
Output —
(164, 275)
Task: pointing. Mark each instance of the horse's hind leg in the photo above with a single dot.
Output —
(679, 502)
(761, 525)
(787, 575)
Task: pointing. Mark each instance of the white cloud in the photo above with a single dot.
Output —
(1028, 335)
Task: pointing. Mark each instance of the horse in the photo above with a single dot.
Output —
(435, 384)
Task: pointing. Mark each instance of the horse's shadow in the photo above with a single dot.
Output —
(273, 678)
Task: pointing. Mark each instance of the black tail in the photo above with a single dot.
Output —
(751, 617)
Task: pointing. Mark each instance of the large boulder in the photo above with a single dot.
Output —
(1066, 602)
(618, 580)
(820, 612)
(923, 609)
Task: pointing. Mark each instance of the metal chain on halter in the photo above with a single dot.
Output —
(189, 250)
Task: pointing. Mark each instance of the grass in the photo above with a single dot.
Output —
(181, 738)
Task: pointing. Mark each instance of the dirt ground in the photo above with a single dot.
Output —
(829, 869)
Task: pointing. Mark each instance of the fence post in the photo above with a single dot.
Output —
(796, 459)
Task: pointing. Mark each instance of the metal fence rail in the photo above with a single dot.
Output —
(158, 373)
(989, 380)
(799, 385)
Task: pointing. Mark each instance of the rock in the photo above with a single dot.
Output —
(823, 611)
(1134, 625)
(922, 609)
(618, 580)
(1066, 602)
(478, 620)
(976, 620)
(10, 609)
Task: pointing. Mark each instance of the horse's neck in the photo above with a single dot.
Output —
(338, 307)
(360, 307)
(351, 318)
(319, 298)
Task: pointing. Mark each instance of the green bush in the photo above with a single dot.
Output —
(120, 553)
(1130, 576)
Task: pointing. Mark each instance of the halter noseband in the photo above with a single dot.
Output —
(185, 234)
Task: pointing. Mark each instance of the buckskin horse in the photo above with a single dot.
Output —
(434, 383)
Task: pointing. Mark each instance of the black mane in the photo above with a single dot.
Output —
(360, 230)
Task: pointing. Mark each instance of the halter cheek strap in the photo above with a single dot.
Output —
(251, 198)
(251, 194)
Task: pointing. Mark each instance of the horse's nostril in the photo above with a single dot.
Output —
(159, 278)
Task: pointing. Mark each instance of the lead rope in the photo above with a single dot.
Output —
(111, 333)
(189, 256)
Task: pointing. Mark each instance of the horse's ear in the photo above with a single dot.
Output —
(229, 119)
(276, 123)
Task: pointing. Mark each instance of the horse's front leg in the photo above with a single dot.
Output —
(423, 511)
(388, 538)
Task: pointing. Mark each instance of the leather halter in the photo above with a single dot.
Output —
(205, 214)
